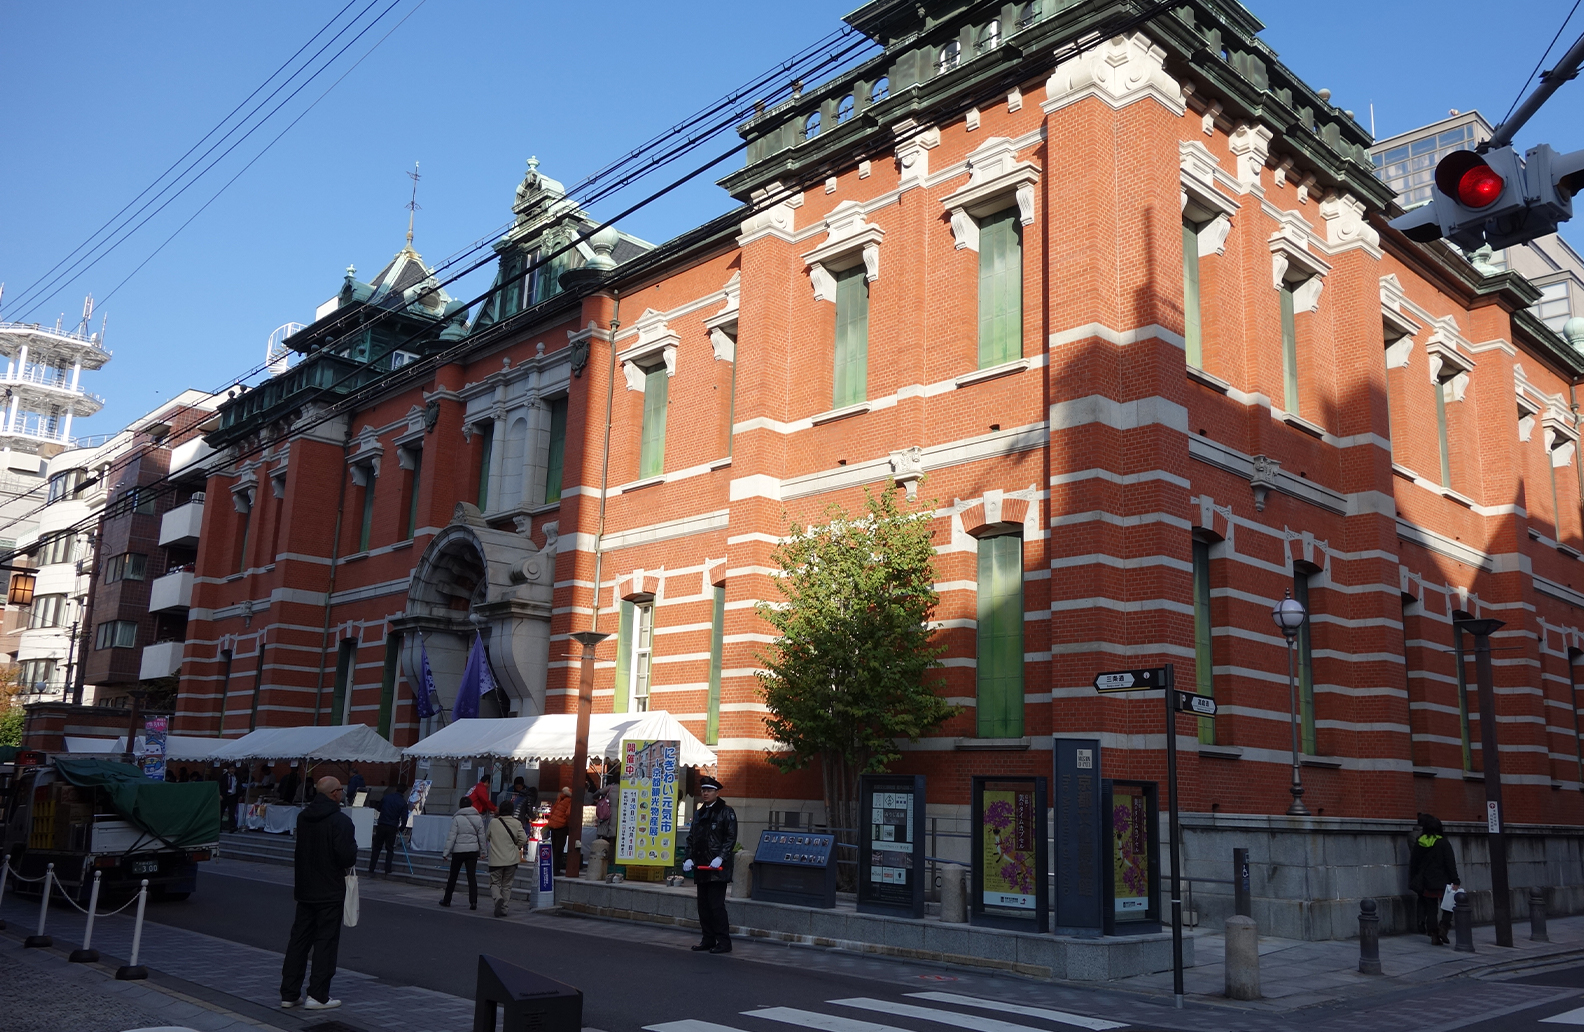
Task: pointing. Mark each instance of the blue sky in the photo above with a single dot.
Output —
(103, 96)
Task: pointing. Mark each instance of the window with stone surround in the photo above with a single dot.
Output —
(1302, 574)
(557, 458)
(1289, 334)
(414, 479)
(346, 665)
(1192, 319)
(486, 434)
(651, 452)
(1000, 288)
(1204, 655)
(392, 672)
(851, 352)
(634, 655)
(999, 693)
(717, 648)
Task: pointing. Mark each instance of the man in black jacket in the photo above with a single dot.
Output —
(393, 809)
(326, 849)
(711, 842)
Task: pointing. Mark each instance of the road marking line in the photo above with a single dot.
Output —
(972, 1021)
(690, 1025)
(1572, 1017)
(1097, 1024)
(824, 1022)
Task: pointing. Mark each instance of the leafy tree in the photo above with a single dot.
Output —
(847, 675)
(11, 726)
(12, 715)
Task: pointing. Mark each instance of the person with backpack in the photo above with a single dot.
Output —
(506, 841)
(605, 811)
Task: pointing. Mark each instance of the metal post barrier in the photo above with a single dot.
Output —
(40, 939)
(5, 869)
(134, 970)
(1537, 916)
(89, 955)
(1369, 938)
(1243, 903)
(1463, 923)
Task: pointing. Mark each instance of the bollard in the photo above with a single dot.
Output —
(1243, 904)
(1537, 916)
(1369, 938)
(89, 955)
(599, 861)
(954, 894)
(134, 970)
(1463, 924)
(5, 869)
(1242, 959)
(41, 939)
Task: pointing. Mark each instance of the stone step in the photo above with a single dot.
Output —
(427, 868)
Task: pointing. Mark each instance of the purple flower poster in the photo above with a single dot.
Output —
(1130, 848)
(1009, 845)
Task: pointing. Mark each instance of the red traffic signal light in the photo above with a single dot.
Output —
(1465, 177)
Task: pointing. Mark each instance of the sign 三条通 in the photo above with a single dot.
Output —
(1130, 680)
(646, 814)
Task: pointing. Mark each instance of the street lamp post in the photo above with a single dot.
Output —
(589, 640)
(1289, 615)
(1490, 760)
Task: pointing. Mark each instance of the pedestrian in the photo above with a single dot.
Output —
(605, 811)
(511, 799)
(710, 844)
(355, 784)
(392, 819)
(325, 851)
(560, 813)
(481, 795)
(228, 797)
(1432, 866)
(506, 840)
(288, 786)
(464, 842)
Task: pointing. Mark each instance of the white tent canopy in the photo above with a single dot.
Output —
(552, 738)
(184, 748)
(350, 743)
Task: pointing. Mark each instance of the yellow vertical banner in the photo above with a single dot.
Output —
(646, 816)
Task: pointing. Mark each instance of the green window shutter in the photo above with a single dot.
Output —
(412, 503)
(558, 420)
(1289, 330)
(1462, 689)
(366, 526)
(1204, 663)
(1441, 438)
(388, 682)
(717, 646)
(343, 679)
(1000, 289)
(1000, 661)
(1306, 698)
(852, 338)
(488, 434)
(651, 456)
(624, 635)
(1191, 313)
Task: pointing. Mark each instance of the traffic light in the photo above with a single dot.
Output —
(1495, 199)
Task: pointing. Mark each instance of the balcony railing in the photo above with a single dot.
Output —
(76, 336)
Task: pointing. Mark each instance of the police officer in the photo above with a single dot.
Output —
(711, 842)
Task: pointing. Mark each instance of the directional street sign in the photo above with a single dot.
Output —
(1130, 680)
(1203, 705)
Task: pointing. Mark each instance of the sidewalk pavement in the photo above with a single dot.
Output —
(1296, 973)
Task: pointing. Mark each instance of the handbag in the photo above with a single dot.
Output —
(1449, 897)
(349, 904)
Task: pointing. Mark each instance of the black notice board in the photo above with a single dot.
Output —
(891, 864)
(1080, 838)
(1011, 863)
(796, 867)
(1132, 882)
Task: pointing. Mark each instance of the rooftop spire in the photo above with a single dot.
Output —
(412, 205)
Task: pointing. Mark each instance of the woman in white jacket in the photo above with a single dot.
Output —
(464, 843)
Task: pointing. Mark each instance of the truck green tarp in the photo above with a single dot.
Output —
(182, 815)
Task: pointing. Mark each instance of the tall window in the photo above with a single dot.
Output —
(346, 660)
(1192, 319)
(557, 460)
(225, 689)
(634, 651)
(1440, 388)
(1289, 331)
(487, 439)
(852, 338)
(244, 530)
(1459, 656)
(999, 700)
(366, 522)
(1000, 289)
(1306, 697)
(624, 633)
(57, 548)
(1204, 659)
(414, 479)
(388, 680)
(717, 647)
(48, 611)
(651, 455)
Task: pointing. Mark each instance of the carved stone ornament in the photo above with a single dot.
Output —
(580, 356)
(995, 178)
(1345, 223)
(1264, 477)
(848, 240)
(914, 142)
(1120, 71)
(907, 469)
(1250, 143)
(774, 207)
(431, 415)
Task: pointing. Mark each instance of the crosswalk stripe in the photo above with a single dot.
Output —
(1082, 1021)
(973, 1021)
(690, 1025)
(823, 1022)
(1572, 1017)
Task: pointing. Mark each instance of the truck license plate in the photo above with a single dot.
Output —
(145, 867)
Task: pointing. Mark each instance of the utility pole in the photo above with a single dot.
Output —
(1490, 755)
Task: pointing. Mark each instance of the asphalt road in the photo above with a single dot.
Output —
(1552, 1016)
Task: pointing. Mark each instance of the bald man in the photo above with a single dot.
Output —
(326, 850)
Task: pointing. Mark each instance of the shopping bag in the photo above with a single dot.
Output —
(1449, 898)
(349, 905)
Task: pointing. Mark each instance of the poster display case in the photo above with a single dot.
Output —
(891, 863)
(1010, 859)
(1133, 871)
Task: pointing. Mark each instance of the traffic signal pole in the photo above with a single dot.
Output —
(1174, 831)
(1550, 82)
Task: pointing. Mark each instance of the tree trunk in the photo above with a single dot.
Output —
(841, 814)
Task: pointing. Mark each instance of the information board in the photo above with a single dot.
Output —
(1079, 859)
(646, 817)
(1133, 871)
(1010, 862)
(796, 867)
(891, 867)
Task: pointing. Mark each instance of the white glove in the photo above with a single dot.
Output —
(687, 865)
(715, 864)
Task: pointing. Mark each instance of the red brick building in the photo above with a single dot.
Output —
(1129, 318)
